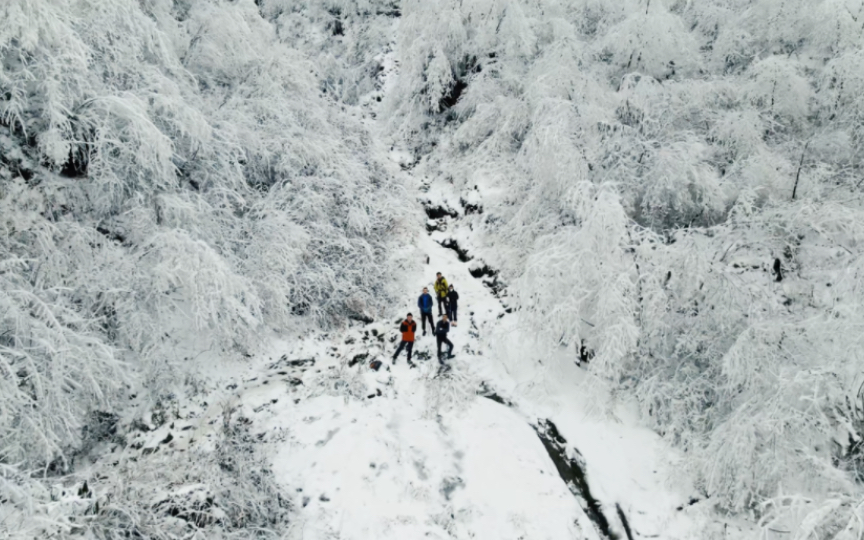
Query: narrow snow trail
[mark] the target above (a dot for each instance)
(627, 465)
(631, 476)
(427, 458)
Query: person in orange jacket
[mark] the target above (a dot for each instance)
(408, 327)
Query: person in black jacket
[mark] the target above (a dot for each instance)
(441, 335)
(452, 304)
(408, 327)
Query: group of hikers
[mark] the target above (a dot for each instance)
(448, 304)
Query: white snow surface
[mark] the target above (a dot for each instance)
(430, 457)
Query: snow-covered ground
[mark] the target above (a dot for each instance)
(407, 453)
(399, 453)
(404, 453)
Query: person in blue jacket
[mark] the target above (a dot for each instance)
(425, 304)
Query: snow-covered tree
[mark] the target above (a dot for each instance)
(170, 172)
(678, 189)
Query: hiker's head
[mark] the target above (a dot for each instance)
(425, 289)
(451, 287)
(443, 317)
(409, 317)
(438, 275)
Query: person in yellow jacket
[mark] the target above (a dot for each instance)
(441, 291)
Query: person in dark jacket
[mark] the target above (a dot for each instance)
(441, 335)
(452, 304)
(425, 304)
(408, 327)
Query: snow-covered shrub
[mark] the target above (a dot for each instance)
(651, 40)
(346, 39)
(224, 491)
(169, 172)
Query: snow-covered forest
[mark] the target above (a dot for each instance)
(662, 197)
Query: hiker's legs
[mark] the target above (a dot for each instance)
(409, 346)
(452, 315)
(449, 345)
(399, 349)
(441, 302)
(439, 339)
(423, 317)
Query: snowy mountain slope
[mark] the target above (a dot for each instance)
(401, 453)
(671, 190)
